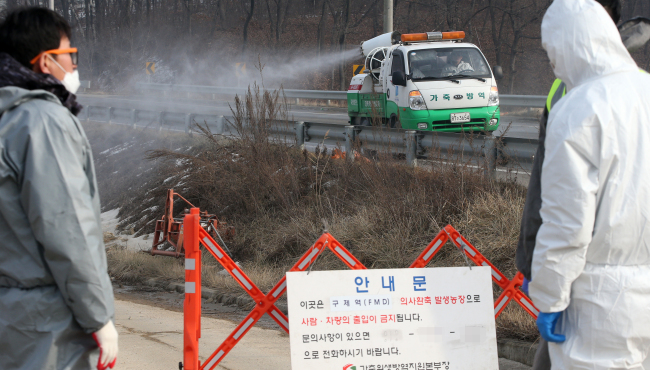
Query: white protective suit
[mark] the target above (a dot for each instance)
(592, 253)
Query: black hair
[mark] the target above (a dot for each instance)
(27, 32)
(615, 6)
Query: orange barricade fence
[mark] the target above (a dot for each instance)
(264, 303)
(194, 234)
(192, 302)
(510, 287)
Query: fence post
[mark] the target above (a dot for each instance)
(110, 114)
(161, 120)
(300, 134)
(220, 125)
(491, 152)
(411, 148)
(134, 117)
(350, 136)
(87, 113)
(192, 302)
(188, 123)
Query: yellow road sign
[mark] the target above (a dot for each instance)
(150, 68)
(357, 68)
(240, 69)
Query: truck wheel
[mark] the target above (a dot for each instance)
(365, 121)
(394, 122)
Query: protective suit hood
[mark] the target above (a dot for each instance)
(583, 42)
(11, 97)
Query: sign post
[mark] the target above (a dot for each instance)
(440, 318)
(240, 71)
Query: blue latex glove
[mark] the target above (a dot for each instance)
(524, 286)
(546, 325)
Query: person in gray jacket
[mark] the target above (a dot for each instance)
(56, 299)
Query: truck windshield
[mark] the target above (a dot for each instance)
(432, 64)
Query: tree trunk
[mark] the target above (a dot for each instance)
(345, 20)
(148, 14)
(278, 21)
(89, 21)
(65, 10)
(127, 15)
(513, 63)
(175, 14)
(99, 17)
(218, 16)
(270, 15)
(188, 17)
(408, 16)
(319, 35)
(496, 34)
(137, 7)
(246, 23)
(283, 26)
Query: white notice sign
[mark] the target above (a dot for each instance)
(426, 319)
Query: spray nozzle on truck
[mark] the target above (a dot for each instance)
(425, 81)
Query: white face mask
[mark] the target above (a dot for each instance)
(70, 80)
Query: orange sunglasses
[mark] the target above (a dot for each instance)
(72, 51)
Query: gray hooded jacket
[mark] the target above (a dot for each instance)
(54, 285)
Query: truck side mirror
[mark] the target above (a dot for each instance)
(498, 72)
(399, 78)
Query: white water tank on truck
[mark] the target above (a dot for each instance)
(386, 40)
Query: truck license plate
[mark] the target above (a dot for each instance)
(460, 117)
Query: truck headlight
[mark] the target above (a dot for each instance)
(423, 126)
(494, 96)
(493, 121)
(416, 101)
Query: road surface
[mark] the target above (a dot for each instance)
(152, 338)
(150, 327)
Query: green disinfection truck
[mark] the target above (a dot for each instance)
(425, 81)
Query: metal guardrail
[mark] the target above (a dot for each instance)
(483, 151)
(527, 101)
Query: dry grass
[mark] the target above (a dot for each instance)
(279, 197)
(133, 267)
(515, 323)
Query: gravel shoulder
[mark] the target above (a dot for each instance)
(151, 335)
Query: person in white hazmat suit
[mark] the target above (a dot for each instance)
(591, 263)
(56, 299)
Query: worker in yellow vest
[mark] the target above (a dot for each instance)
(634, 33)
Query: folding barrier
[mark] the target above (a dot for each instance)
(195, 234)
(510, 287)
(264, 303)
(192, 302)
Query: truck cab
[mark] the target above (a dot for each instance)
(429, 81)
